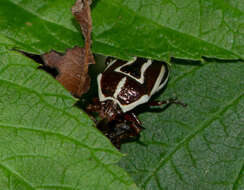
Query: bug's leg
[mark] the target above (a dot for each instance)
(136, 124)
(94, 107)
(167, 102)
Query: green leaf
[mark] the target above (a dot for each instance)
(197, 147)
(39, 26)
(185, 29)
(150, 28)
(46, 142)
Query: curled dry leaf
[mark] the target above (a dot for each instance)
(82, 12)
(71, 69)
(73, 66)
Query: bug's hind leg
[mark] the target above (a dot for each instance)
(135, 123)
(167, 102)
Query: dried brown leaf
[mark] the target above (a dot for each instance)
(71, 69)
(82, 12)
(73, 66)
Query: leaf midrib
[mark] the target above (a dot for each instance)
(171, 29)
(115, 4)
(61, 135)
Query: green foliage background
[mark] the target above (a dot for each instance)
(47, 143)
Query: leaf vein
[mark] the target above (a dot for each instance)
(17, 175)
(168, 28)
(238, 178)
(201, 127)
(21, 127)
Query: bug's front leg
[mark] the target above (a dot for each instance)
(94, 107)
(135, 123)
(167, 102)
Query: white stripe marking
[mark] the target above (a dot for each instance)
(110, 63)
(143, 99)
(119, 87)
(157, 85)
(100, 93)
(124, 108)
(143, 69)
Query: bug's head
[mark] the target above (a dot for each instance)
(110, 110)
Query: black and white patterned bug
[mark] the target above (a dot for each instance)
(126, 84)
(131, 83)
